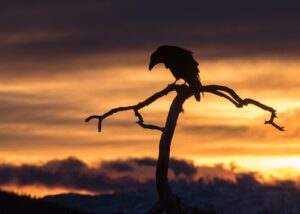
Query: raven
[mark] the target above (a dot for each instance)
(181, 64)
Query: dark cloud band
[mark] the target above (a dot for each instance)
(49, 33)
(116, 175)
(72, 173)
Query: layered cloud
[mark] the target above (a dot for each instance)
(63, 37)
(74, 174)
(118, 175)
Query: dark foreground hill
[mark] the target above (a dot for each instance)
(220, 197)
(11, 203)
(246, 196)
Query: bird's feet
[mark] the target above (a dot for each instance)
(174, 82)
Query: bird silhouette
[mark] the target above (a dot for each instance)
(181, 64)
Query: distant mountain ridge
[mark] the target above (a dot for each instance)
(218, 197)
(245, 196)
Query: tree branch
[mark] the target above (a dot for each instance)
(239, 102)
(142, 124)
(267, 108)
(219, 90)
(135, 109)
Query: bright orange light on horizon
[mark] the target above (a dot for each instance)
(238, 135)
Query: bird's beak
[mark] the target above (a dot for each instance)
(151, 65)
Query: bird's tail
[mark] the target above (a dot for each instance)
(196, 93)
(197, 90)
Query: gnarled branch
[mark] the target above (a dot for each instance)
(239, 102)
(135, 109)
(219, 90)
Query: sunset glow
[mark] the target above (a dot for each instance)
(48, 89)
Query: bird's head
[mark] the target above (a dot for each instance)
(156, 58)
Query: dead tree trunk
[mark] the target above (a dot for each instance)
(167, 200)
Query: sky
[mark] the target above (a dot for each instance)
(61, 62)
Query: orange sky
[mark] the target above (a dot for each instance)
(46, 116)
(57, 70)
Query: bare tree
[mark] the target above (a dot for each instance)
(169, 202)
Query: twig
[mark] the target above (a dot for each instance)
(142, 124)
(267, 108)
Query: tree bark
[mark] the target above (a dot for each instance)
(168, 201)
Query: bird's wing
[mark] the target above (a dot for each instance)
(190, 65)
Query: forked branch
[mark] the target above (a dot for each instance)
(239, 102)
(221, 91)
(135, 109)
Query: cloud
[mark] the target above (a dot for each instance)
(18, 107)
(212, 129)
(289, 118)
(177, 166)
(118, 175)
(218, 130)
(65, 36)
(70, 173)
